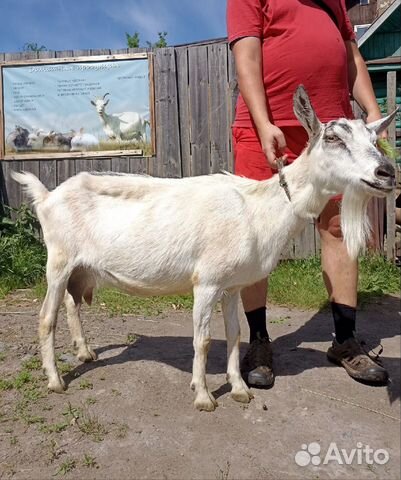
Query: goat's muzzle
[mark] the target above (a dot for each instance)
(385, 177)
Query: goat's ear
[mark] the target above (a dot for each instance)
(380, 125)
(305, 113)
(93, 103)
(105, 103)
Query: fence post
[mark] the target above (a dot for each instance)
(390, 201)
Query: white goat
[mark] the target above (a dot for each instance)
(213, 234)
(120, 126)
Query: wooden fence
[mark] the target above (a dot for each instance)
(195, 96)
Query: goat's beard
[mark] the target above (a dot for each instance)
(355, 223)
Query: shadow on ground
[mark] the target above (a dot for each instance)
(378, 322)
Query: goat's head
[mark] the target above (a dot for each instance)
(344, 159)
(100, 103)
(344, 151)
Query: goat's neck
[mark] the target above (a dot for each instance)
(308, 191)
(278, 219)
(104, 117)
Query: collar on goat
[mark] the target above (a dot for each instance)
(282, 180)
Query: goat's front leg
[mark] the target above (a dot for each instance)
(84, 352)
(204, 300)
(239, 390)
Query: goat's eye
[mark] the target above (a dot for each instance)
(331, 138)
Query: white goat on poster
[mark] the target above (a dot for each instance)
(213, 234)
(120, 126)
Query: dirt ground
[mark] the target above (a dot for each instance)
(129, 415)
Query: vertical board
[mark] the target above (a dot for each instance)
(390, 200)
(304, 244)
(199, 110)
(233, 92)
(120, 164)
(101, 164)
(48, 173)
(139, 165)
(218, 120)
(166, 111)
(181, 55)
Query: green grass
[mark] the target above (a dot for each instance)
(299, 283)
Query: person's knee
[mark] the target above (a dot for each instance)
(330, 228)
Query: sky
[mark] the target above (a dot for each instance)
(92, 24)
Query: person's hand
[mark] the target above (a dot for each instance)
(273, 144)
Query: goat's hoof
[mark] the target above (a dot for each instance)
(87, 355)
(57, 386)
(242, 396)
(206, 403)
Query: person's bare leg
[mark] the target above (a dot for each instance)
(257, 365)
(340, 274)
(255, 296)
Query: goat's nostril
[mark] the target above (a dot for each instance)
(385, 171)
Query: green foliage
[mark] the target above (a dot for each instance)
(161, 43)
(22, 254)
(387, 149)
(33, 47)
(66, 467)
(132, 40)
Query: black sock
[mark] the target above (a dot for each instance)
(344, 321)
(257, 323)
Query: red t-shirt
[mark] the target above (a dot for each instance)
(300, 45)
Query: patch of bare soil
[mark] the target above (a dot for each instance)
(130, 415)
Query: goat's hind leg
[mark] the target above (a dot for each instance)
(56, 284)
(73, 307)
(239, 390)
(204, 300)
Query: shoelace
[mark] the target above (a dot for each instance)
(371, 353)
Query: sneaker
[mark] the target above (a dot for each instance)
(357, 361)
(257, 365)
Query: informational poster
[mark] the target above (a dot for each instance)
(75, 108)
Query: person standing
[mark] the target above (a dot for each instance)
(278, 45)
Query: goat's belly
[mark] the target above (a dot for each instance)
(139, 287)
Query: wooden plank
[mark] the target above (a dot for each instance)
(390, 200)
(2, 132)
(183, 107)
(166, 110)
(46, 58)
(48, 173)
(304, 244)
(101, 164)
(83, 165)
(139, 165)
(120, 165)
(198, 104)
(13, 191)
(218, 120)
(233, 92)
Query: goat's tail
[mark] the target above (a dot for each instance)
(32, 185)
